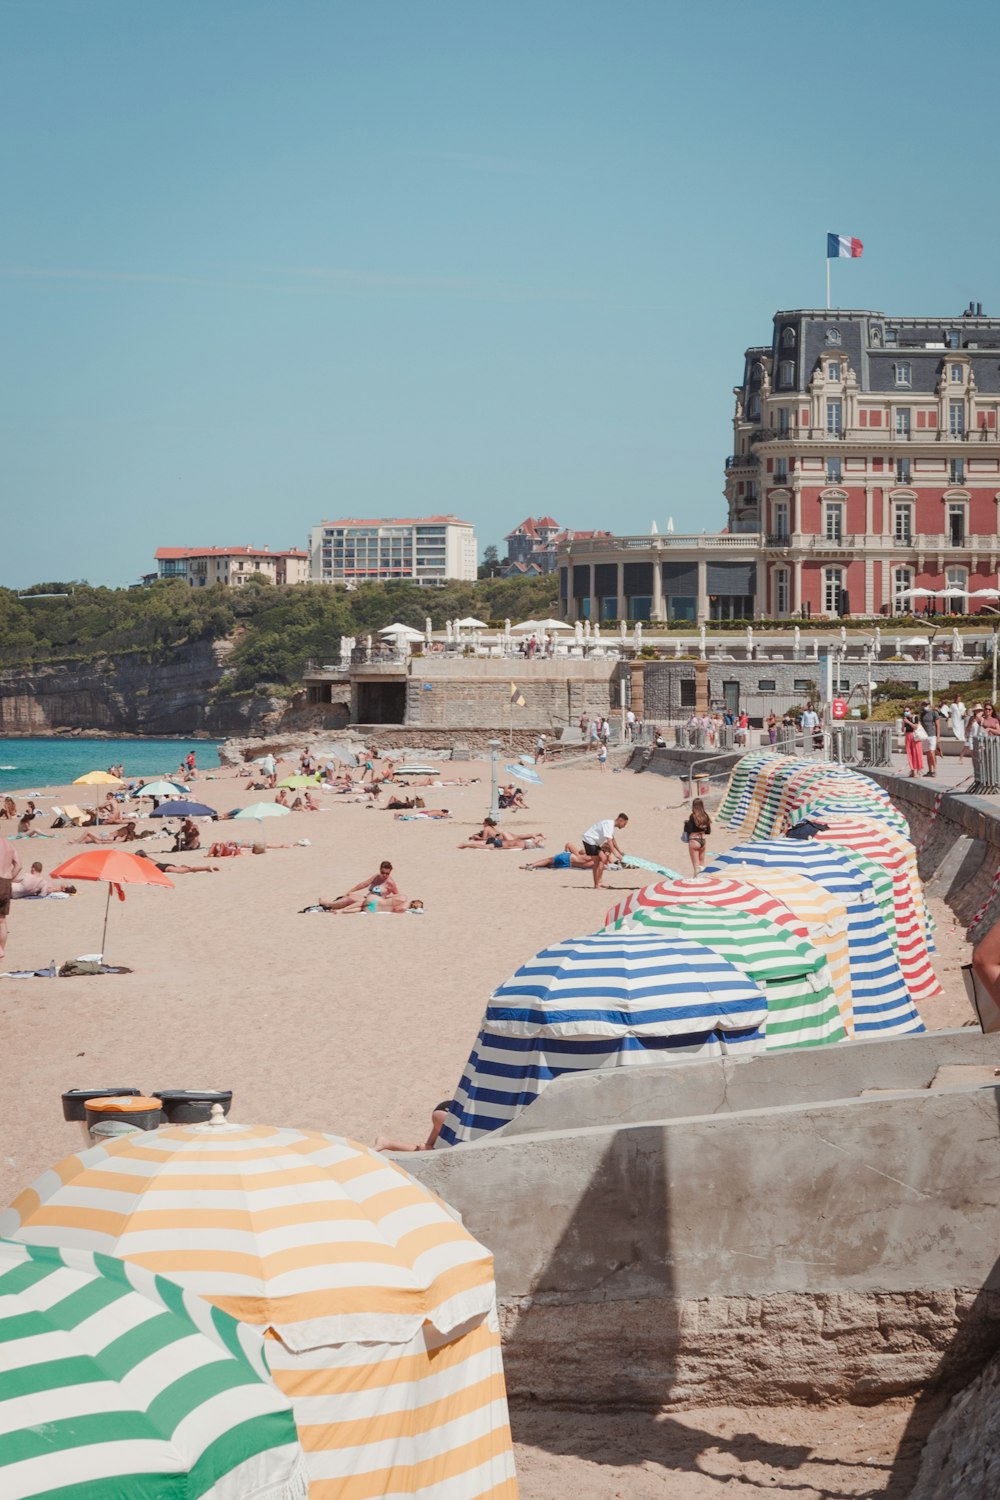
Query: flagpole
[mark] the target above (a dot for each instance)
(828, 283)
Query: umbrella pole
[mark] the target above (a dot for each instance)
(107, 908)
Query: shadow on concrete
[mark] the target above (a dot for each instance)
(974, 1345)
(625, 1331)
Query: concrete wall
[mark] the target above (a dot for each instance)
(627, 1096)
(821, 1251)
(474, 692)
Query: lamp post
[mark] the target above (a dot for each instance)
(495, 746)
(933, 629)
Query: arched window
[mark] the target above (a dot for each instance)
(788, 338)
(786, 374)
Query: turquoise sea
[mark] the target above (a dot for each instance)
(29, 764)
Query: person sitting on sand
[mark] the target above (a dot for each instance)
(8, 808)
(282, 798)
(438, 1116)
(310, 804)
(25, 830)
(492, 837)
(379, 884)
(171, 869)
(403, 804)
(35, 885)
(567, 859)
(124, 835)
(187, 837)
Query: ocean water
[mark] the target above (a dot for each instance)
(29, 764)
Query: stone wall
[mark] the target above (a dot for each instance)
(830, 1250)
(474, 693)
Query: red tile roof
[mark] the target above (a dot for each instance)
(397, 521)
(167, 554)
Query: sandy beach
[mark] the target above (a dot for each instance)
(359, 1025)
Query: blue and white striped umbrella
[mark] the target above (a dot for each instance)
(604, 1001)
(524, 773)
(882, 1003)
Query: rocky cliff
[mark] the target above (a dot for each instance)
(132, 694)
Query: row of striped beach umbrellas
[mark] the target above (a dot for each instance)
(232, 1311)
(783, 943)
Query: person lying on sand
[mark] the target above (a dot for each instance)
(379, 884)
(567, 859)
(511, 797)
(230, 848)
(124, 835)
(438, 1116)
(492, 837)
(392, 905)
(170, 869)
(35, 884)
(424, 812)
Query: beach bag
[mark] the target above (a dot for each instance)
(685, 837)
(920, 734)
(982, 1003)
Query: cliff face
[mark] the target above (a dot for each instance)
(128, 695)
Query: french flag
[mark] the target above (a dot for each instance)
(842, 247)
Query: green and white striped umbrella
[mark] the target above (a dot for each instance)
(802, 1009)
(115, 1384)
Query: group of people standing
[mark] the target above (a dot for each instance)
(922, 729)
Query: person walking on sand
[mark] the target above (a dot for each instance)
(697, 828)
(602, 756)
(930, 721)
(10, 869)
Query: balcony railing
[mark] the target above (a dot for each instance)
(880, 436)
(669, 541)
(742, 461)
(778, 539)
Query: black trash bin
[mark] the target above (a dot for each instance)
(192, 1106)
(124, 1114)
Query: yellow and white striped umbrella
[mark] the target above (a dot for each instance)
(378, 1307)
(823, 914)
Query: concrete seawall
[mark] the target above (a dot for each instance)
(837, 1248)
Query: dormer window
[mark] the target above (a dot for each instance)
(788, 338)
(951, 339)
(786, 374)
(955, 374)
(833, 370)
(903, 372)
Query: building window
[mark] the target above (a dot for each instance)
(783, 421)
(833, 591)
(833, 370)
(956, 471)
(767, 685)
(902, 471)
(902, 583)
(955, 374)
(951, 339)
(903, 372)
(833, 521)
(788, 338)
(956, 418)
(779, 519)
(753, 408)
(903, 525)
(957, 578)
(781, 593)
(834, 417)
(833, 471)
(786, 374)
(688, 686)
(902, 421)
(956, 523)
(781, 471)
(803, 685)
(891, 336)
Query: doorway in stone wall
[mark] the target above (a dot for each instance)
(731, 697)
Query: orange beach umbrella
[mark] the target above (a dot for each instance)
(118, 867)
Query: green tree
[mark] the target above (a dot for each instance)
(490, 565)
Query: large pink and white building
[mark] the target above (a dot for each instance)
(865, 463)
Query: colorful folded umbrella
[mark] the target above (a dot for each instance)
(607, 1000)
(117, 1385)
(802, 1010)
(377, 1306)
(882, 1003)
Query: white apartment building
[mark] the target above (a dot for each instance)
(422, 549)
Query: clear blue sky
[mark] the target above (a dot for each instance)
(266, 263)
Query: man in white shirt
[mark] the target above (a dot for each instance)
(956, 717)
(810, 724)
(600, 844)
(630, 725)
